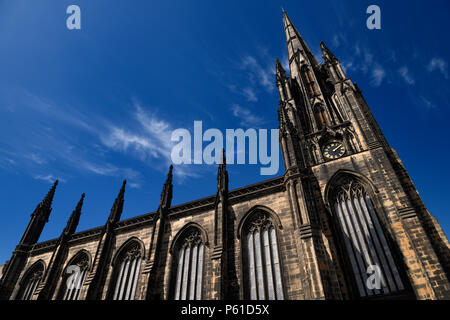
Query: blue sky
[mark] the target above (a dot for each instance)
(97, 105)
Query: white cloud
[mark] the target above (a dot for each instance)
(377, 76)
(249, 94)
(427, 103)
(404, 73)
(134, 185)
(285, 63)
(263, 76)
(438, 64)
(148, 139)
(363, 61)
(336, 42)
(247, 118)
(48, 178)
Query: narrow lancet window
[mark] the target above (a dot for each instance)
(321, 117)
(311, 84)
(31, 282)
(189, 266)
(74, 276)
(262, 269)
(126, 274)
(370, 257)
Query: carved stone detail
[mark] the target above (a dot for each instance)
(192, 238)
(259, 221)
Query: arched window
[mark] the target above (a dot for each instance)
(321, 116)
(31, 281)
(188, 265)
(310, 82)
(126, 271)
(369, 254)
(262, 263)
(74, 276)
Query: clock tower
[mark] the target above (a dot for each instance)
(361, 224)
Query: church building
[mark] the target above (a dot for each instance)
(343, 222)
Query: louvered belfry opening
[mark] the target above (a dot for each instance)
(31, 281)
(127, 270)
(74, 276)
(369, 254)
(262, 262)
(188, 269)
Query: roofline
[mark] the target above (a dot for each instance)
(192, 207)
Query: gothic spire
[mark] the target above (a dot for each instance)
(280, 73)
(116, 210)
(43, 209)
(222, 175)
(296, 44)
(326, 53)
(72, 223)
(166, 194)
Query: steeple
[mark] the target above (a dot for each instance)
(18, 260)
(332, 64)
(222, 176)
(55, 265)
(43, 209)
(117, 208)
(155, 255)
(280, 73)
(166, 194)
(327, 55)
(72, 223)
(220, 249)
(296, 45)
(39, 218)
(102, 258)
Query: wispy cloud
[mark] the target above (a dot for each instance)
(285, 62)
(249, 94)
(377, 76)
(48, 178)
(338, 40)
(427, 103)
(258, 73)
(62, 141)
(440, 65)
(361, 60)
(148, 138)
(248, 119)
(404, 73)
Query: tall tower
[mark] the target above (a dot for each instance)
(363, 229)
(39, 218)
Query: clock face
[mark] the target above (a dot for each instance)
(333, 150)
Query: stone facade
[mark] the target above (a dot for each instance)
(329, 138)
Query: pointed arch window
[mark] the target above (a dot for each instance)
(261, 258)
(74, 276)
(31, 281)
(188, 266)
(321, 116)
(126, 272)
(311, 84)
(369, 254)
